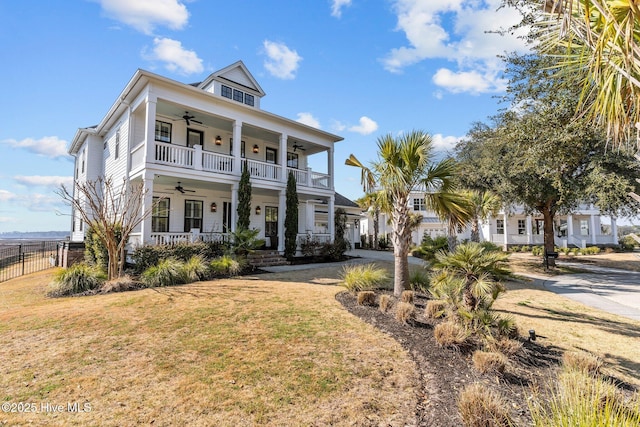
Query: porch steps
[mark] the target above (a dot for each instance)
(266, 258)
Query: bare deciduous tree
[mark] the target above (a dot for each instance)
(112, 211)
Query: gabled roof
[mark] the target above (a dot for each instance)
(237, 73)
(340, 200)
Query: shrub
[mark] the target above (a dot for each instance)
(310, 246)
(450, 334)
(334, 251)
(196, 268)
(225, 265)
(366, 298)
(508, 347)
(385, 302)
(587, 363)
(78, 278)
(429, 247)
(405, 312)
(407, 296)
(419, 280)
(490, 246)
(147, 256)
(576, 399)
(363, 277)
(120, 284)
(435, 309)
(481, 406)
(489, 362)
(168, 272)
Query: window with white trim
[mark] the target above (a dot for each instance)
(522, 226)
(160, 215)
(163, 131)
(500, 226)
(117, 150)
(419, 204)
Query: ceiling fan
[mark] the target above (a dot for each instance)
(189, 118)
(183, 190)
(297, 146)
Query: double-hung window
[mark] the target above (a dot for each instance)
(292, 160)
(500, 226)
(192, 215)
(163, 131)
(160, 215)
(419, 204)
(522, 226)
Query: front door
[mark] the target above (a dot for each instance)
(271, 226)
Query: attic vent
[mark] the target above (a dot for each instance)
(237, 95)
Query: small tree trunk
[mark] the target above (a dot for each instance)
(475, 230)
(549, 240)
(376, 227)
(401, 271)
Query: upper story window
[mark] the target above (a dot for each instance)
(117, 151)
(83, 156)
(500, 226)
(226, 91)
(292, 160)
(419, 205)
(237, 95)
(163, 131)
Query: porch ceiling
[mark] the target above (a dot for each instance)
(167, 184)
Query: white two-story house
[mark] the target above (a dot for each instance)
(187, 143)
(580, 229)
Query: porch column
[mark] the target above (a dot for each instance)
(330, 167)
(282, 209)
(569, 228)
(332, 214)
(505, 218)
(147, 202)
(237, 158)
(310, 215)
(614, 230)
(529, 230)
(150, 128)
(592, 229)
(234, 205)
(283, 160)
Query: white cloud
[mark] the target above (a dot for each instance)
(459, 31)
(337, 6)
(473, 81)
(6, 196)
(48, 146)
(338, 126)
(309, 120)
(366, 126)
(43, 203)
(175, 57)
(44, 181)
(281, 61)
(444, 143)
(145, 15)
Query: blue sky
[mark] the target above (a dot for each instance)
(357, 68)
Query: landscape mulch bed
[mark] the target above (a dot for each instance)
(445, 372)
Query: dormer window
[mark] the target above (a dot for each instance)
(237, 95)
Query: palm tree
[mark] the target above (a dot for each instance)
(404, 164)
(484, 204)
(456, 209)
(599, 39)
(476, 269)
(371, 203)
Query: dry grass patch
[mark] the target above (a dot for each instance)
(589, 364)
(384, 302)
(489, 362)
(405, 312)
(481, 406)
(435, 309)
(246, 351)
(407, 296)
(366, 298)
(450, 334)
(508, 347)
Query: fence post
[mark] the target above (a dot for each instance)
(21, 255)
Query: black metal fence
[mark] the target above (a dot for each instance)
(25, 258)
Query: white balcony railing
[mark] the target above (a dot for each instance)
(213, 162)
(264, 170)
(175, 155)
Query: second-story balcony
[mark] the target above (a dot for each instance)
(215, 163)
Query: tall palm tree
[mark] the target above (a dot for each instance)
(404, 164)
(600, 39)
(484, 204)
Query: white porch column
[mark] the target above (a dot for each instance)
(330, 167)
(309, 217)
(282, 211)
(150, 128)
(505, 218)
(237, 158)
(234, 205)
(529, 230)
(147, 202)
(332, 214)
(592, 229)
(283, 160)
(614, 230)
(569, 228)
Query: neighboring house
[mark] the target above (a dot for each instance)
(187, 143)
(580, 229)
